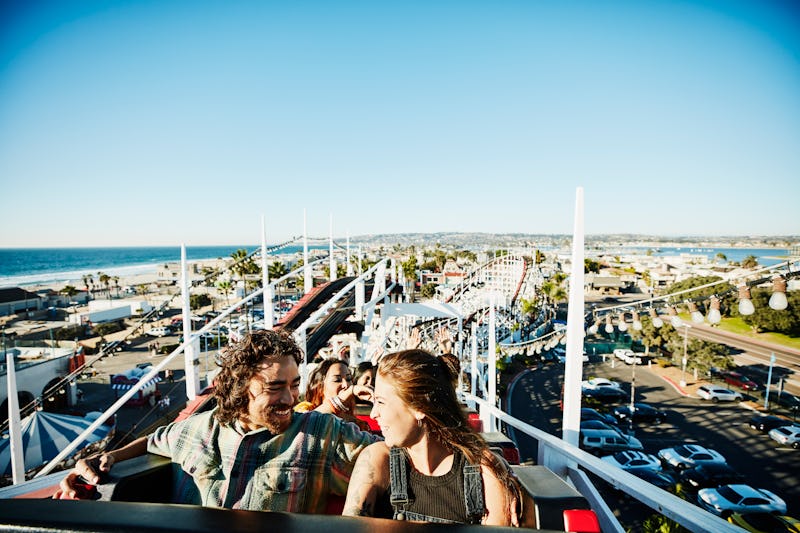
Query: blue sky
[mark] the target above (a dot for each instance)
(168, 122)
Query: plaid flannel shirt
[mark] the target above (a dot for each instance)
(224, 466)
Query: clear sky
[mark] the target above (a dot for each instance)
(168, 122)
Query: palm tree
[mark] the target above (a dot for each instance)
(69, 291)
(115, 279)
(225, 288)
(104, 280)
(244, 265)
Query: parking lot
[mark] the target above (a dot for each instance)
(722, 426)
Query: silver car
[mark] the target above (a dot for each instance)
(689, 455)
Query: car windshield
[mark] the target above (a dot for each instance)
(729, 494)
(683, 451)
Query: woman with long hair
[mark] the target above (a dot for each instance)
(432, 466)
(331, 390)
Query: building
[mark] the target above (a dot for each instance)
(16, 299)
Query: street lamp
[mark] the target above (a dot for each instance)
(684, 361)
(769, 381)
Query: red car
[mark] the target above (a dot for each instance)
(740, 380)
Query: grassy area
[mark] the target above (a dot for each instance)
(737, 325)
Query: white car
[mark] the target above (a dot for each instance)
(689, 455)
(634, 358)
(717, 394)
(786, 435)
(160, 331)
(633, 460)
(622, 353)
(596, 383)
(729, 499)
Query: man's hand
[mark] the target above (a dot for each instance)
(86, 472)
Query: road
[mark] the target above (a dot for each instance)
(755, 355)
(723, 427)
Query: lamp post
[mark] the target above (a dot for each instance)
(684, 360)
(769, 381)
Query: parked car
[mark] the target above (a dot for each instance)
(709, 476)
(717, 394)
(658, 478)
(587, 413)
(597, 424)
(634, 358)
(764, 423)
(606, 395)
(784, 399)
(642, 412)
(597, 383)
(603, 442)
(786, 435)
(633, 460)
(740, 380)
(622, 353)
(686, 456)
(728, 499)
(160, 331)
(765, 522)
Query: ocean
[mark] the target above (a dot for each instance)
(765, 256)
(35, 266)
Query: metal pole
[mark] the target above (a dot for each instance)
(190, 353)
(331, 259)
(685, 345)
(14, 426)
(769, 381)
(268, 318)
(308, 280)
(573, 371)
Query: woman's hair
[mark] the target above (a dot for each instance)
(315, 391)
(361, 369)
(424, 382)
(240, 362)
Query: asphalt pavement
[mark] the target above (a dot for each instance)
(723, 427)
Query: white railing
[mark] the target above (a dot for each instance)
(570, 463)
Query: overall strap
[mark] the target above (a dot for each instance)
(398, 482)
(473, 493)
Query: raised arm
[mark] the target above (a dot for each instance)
(370, 480)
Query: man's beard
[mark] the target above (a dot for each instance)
(273, 422)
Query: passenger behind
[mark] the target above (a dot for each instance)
(432, 465)
(330, 390)
(364, 375)
(252, 451)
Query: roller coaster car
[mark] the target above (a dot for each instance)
(137, 496)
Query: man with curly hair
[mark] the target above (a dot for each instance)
(252, 451)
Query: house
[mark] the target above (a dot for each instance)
(15, 299)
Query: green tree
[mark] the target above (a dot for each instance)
(540, 257)
(409, 267)
(277, 270)
(750, 262)
(658, 523)
(428, 290)
(225, 288)
(115, 279)
(722, 257)
(196, 301)
(767, 319)
(590, 265)
(69, 291)
(104, 280)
